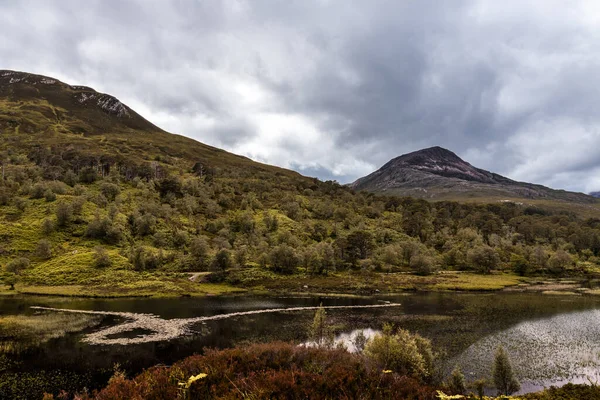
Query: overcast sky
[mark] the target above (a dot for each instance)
(335, 89)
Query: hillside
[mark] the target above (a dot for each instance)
(436, 173)
(72, 123)
(97, 201)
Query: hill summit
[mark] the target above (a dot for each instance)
(438, 173)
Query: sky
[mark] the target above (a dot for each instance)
(333, 88)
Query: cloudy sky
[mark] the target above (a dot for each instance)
(335, 89)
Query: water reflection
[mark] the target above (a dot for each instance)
(550, 351)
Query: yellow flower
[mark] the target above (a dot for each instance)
(194, 378)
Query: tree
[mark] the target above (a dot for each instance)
(222, 261)
(483, 258)
(9, 279)
(457, 382)
(284, 259)
(504, 377)
(43, 249)
(319, 332)
(17, 265)
(110, 190)
(520, 264)
(101, 258)
(559, 262)
(64, 214)
(199, 252)
(358, 245)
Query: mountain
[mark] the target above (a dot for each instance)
(595, 194)
(82, 127)
(437, 173)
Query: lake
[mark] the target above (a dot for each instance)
(551, 339)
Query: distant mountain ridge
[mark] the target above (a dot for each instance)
(438, 173)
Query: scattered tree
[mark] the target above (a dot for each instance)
(504, 377)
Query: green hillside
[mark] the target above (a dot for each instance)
(95, 200)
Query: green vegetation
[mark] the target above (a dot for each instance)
(115, 206)
(504, 377)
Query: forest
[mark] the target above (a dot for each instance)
(104, 214)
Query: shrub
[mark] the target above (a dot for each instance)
(457, 382)
(222, 261)
(47, 226)
(284, 259)
(423, 265)
(483, 258)
(101, 258)
(104, 229)
(199, 251)
(88, 175)
(37, 191)
(43, 249)
(49, 195)
(110, 190)
(319, 332)
(180, 239)
(64, 214)
(402, 352)
(17, 265)
(144, 259)
(273, 370)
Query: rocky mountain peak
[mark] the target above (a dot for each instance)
(438, 173)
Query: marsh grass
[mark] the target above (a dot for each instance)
(19, 332)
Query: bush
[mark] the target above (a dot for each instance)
(110, 190)
(483, 258)
(144, 259)
(37, 191)
(88, 175)
(402, 352)
(423, 265)
(104, 229)
(284, 259)
(49, 196)
(101, 258)
(43, 249)
(199, 252)
(47, 226)
(272, 371)
(64, 214)
(457, 382)
(222, 261)
(17, 265)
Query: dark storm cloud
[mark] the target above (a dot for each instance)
(334, 88)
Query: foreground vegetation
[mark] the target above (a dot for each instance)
(393, 366)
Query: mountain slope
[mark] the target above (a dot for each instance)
(437, 173)
(82, 127)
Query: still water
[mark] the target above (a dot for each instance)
(551, 339)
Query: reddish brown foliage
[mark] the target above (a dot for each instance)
(275, 371)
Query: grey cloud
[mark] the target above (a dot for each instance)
(335, 89)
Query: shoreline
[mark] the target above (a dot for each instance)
(335, 286)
